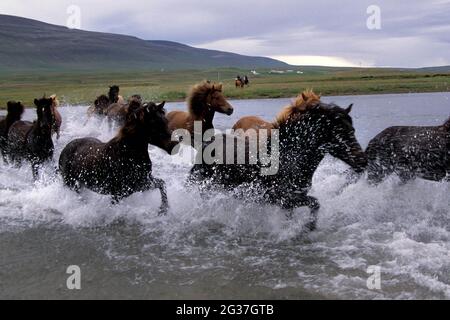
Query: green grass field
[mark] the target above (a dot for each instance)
(83, 88)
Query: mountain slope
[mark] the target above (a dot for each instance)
(28, 44)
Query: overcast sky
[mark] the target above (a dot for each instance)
(414, 33)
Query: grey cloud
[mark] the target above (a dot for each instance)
(414, 33)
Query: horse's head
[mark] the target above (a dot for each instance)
(150, 119)
(44, 113)
(217, 101)
(342, 142)
(207, 96)
(101, 104)
(114, 94)
(15, 109)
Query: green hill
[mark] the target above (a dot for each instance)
(32, 45)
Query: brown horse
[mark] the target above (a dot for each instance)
(57, 118)
(204, 100)
(255, 124)
(117, 112)
(15, 112)
(99, 107)
(33, 141)
(239, 83)
(121, 166)
(103, 102)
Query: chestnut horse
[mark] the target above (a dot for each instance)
(305, 137)
(33, 141)
(410, 152)
(15, 112)
(57, 118)
(204, 100)
(121, 166)
(117, 112)
(241, 127)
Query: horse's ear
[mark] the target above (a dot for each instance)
(349, 109)
(36, 102)
(213, 88)
(304, 97)
(161, 106)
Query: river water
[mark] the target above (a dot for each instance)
(223, 248)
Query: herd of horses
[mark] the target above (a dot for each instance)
(308, 129)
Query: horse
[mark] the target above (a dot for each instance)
(246, 81)
(239, 83)
(251, 124)
(57, 118)
(114, 96)
(410, 152)
(103, 102)
(117, 113)
(121, 166)
(32, 141)
(305, 138)
(15, 112)
(204, 100)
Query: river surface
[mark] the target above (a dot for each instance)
(223, 248)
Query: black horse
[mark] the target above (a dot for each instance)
(15, 112)
(121, 166)
(305, 138)
(410, 152)
(32, 141)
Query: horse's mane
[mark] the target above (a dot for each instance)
(55, 101)
(199, 94)
(301, 104)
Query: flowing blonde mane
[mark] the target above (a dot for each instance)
(55, 101)
(198, 97)
(301, 104)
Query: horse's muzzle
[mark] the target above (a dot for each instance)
(229, 112)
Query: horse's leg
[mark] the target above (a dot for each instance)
(302, 200)
(314, 205)
(161, 185)
(35, 170)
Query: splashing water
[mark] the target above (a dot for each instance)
(221, 247)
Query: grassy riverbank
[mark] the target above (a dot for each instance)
(82, 87)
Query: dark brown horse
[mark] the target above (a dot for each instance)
(121, 166)
(204, 100)
(117, 112)
(15, 112)
(32, 141)
(410, 152)
(100, 106)
(103, 102)
(57, 118)
(305, 138)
